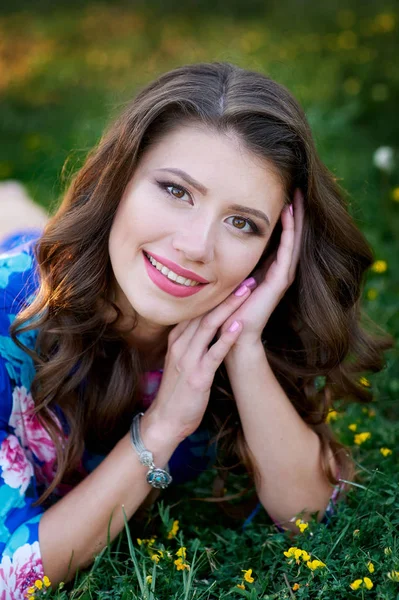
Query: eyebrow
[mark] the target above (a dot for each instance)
(201, 188)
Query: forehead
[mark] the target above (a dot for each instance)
(219, 161)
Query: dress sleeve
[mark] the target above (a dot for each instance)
(20, 558)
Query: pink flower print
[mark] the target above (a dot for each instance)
(17, 470)
(149, 386)
(28, 428)
(20, 572)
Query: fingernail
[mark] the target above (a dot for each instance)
(241, 290)
(250, 282)
(291, 209)
(234, 326)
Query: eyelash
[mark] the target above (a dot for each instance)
(164, 185)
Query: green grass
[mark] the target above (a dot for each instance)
(65, 69)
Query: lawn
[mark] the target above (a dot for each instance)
(66, 68)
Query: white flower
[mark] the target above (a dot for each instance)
(383, 159)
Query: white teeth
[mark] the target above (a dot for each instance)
(170, 274)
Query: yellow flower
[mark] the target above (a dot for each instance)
(395, 194)
(241, 586)
(155, 558)
(180, 565)
(379, 266)
(290, 552)
(301, 525)
(331, 416)
(393, 576)
(315, 564)
(139, 541)
(248, 575)
(372, 294)
(362, 437)
(365, 382)
(39, 584)
(31, 590)
(182, 552)
(368, 583)
(370, 567)
(305, 555)
(385, 451)
(387, 551)
(355, 585)
(149, 579)
(46, 581)
(352, 426)
(296, 587)
(174, 530)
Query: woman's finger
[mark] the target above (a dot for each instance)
(299, 218)
(200, 332)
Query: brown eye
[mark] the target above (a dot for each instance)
(239, 223)
(177, 192)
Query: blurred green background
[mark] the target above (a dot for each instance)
(67, 68)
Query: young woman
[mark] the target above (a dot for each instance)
(200, 275)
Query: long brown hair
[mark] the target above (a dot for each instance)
(84, 365)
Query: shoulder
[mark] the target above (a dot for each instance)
(18, 271)
(18, 283)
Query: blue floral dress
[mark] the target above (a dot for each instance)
(27, 453)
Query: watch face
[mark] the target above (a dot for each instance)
(159, 478)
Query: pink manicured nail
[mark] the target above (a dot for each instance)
(234, 326)
(241, 290)
(250, 282)
(291, 209)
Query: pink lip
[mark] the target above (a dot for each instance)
(178, 270)
(167, 285)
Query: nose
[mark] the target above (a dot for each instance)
(196, 241)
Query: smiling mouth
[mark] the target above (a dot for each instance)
(179, 280)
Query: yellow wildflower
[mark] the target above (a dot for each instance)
(290, 552)
(46, 581)
(155, 558)
(379, 266)
(182, 552)
(368, 583)
(355, 585)
(248, 575)
(315, 564)
(370, 567)
(395, 194)
(296, 587)
(394, 576)
(372, 294)
(352, 426)
(365, 382)
(301, 525)
(385, 451)
(305, 555)
(331, 416)
(180, 565)
(362, 437)
(31, 590)
(241, 586)
(149, 579)
(174, 530)
(387, 551)
(38, 584)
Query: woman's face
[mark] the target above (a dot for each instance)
(202, 201)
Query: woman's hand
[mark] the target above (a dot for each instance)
(272, 280)
(190, 367)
